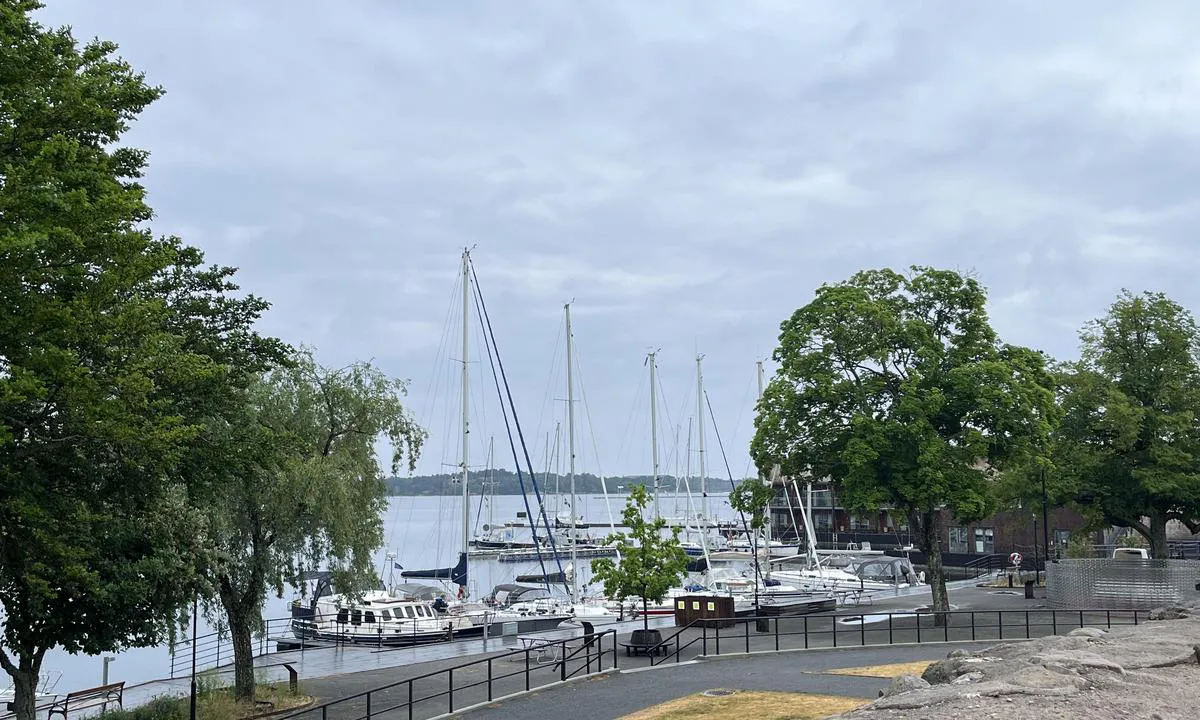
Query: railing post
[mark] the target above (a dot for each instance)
(1080, 618)
(562, 663)
(704, 633)
(489, 664)
(946, 628)
(410, 700)
(717, 635)
(1135, 618)
(747, 626)
(526, 669)
(368, 705)
(1000, 623)
(834, 619)
(891, 640)
(805, 632)
(1026, 624)
(776, 634)
(972, 624)
(450, 691)
(862, 630)
(1108, 619)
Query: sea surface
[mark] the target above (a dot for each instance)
(422, 532)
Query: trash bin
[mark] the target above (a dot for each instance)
(1028, 589)
(762, 625)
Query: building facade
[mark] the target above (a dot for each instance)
(835, 527)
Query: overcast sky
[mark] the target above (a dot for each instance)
(687, 172)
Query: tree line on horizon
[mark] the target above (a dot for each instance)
(506, 482)
(157, 450)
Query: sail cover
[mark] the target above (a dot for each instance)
(456, 574)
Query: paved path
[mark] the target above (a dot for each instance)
(623, 693)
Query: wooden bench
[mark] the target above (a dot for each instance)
(92, 697)
(642, 648)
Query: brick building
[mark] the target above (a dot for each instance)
(962, 543)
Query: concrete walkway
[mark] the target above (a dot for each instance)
(623, 693)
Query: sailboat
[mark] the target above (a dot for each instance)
(409, 613)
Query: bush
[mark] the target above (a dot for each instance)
(160, 708)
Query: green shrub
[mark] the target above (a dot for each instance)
(160, 708)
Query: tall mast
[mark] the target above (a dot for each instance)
(767, 534)
(466, 399)
(700, 439)
(571, 452)
(653, 363)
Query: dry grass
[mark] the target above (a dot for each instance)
(884, 671)
(750, 704)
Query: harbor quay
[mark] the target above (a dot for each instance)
(777, 653)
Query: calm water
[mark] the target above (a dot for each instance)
(423, 532)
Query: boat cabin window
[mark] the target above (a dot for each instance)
(343, 616)
(408, 611)
(385, 615)
(356, 617)
(422, 611)
(369, 618)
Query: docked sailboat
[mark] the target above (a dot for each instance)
(407, 613)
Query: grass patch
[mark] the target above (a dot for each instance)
(750, 704)
(884, 671)
(214, 701)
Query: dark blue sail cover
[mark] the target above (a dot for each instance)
(456, 574)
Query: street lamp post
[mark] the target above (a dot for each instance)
(1045, 516)
(195, 614)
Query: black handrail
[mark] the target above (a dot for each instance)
(212, 648)
(1028, 620)
(595, 640)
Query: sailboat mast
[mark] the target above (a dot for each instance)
(653, 362)
(700, 440)
(571, 452)
(767, 533)
(466, 400)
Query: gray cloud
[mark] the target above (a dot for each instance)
(687, 172)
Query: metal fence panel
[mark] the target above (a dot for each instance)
(1122, 583)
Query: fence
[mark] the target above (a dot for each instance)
(215, 648)
(541, 663)
(821, 631)
(1122, 583)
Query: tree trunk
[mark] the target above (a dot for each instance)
(1158, 536)
(930, 545)
(645, 614)
(25, 680)
(243, 656)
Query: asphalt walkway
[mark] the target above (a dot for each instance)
(623, 693)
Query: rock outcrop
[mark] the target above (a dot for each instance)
(1090, 673)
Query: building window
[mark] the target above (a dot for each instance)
(1061, 538)
(822, 521)
(958, 540)
(985, 541)
(860, 522)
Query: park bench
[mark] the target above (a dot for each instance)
(99, 696)
(648, 642)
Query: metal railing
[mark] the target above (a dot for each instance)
(215, 648)
(866, 629)
(543, 662)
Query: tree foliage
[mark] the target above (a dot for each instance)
(293, 484)
(752, 496)
(115, 346)
(897, 388)
(1128, 450)
(651, 561)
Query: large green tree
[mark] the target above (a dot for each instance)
(115, 348)
(896, 387)
(293, 484)
(651, 561)
(1128, 450)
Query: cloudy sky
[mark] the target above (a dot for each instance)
(686, 171)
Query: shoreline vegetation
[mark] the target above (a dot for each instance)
(505, 482)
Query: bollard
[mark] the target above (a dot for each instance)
(293, 679)
(1028, 589)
